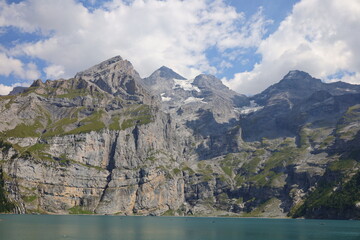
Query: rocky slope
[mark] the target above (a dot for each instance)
(109, 142)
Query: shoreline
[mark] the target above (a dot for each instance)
(212, 217)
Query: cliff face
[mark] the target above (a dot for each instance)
(95, 143)
(109, 142)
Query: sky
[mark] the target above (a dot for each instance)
(248, 44)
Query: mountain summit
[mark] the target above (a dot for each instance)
(165, 72)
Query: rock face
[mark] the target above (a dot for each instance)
(109, 142)
(17, 90)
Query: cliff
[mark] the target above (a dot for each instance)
(109, 142)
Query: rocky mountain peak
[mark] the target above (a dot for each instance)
(37, 83)
(115, 64)
(299, 79)
(297, 74)
(295, 85)
(115, 76)
(208, 81)
(17, 90)
(165, 72)
(162, 80)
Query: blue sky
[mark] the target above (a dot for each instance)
(248, 44)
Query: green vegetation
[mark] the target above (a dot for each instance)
(227, 170)
(6, 97)
(90, 166)
(22, 130)
(57, 128)
(206, 171)
(281, 158)
(137, 116)
(252, 165)
(304, 141)
(176, 171)
(29, 199)
(257, 212)
(332, 200)
(36, 211)
(64, 160)
(11, 101)
(38, 151)
(222, 198)
(327, 141)
(91, 123)
(231, 161)
(342, 164)
(169, 212)
(133, 115)
(5, 146)
(268, 173)
(151, 158)
(114, 125)
(239, 179)
(265, 178)
(187, 169)
(352, 115)
(5, 205)
(79, 210)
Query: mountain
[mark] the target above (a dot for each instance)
(17, 90)
(109, 142)
(298, 99)
(204, 109)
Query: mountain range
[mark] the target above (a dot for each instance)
(110, 142)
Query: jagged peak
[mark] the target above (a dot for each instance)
(37, 83)
(166, 72)
(117, 61)
(207, 76)
(297, 74)
(112, 60)
(17, 90)
(297, 78)
(208, 80)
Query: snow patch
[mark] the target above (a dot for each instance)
(193, 99)
(249, 109)
(292, 73)
(186, 85)
(165, 99)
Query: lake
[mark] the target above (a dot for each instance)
(50, 227)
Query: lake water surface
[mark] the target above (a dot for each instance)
(49, 227)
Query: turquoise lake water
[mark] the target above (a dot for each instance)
(38, 227)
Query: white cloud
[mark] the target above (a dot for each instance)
(54, 71)
(150, 33)
(320, 37)
(14, 66)
(5, 90)
(9, 65)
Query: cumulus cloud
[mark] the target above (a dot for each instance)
(9, 65)
(149, 33)
(14, 66)
(54, 71)
(320, 37)
(5, 90)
